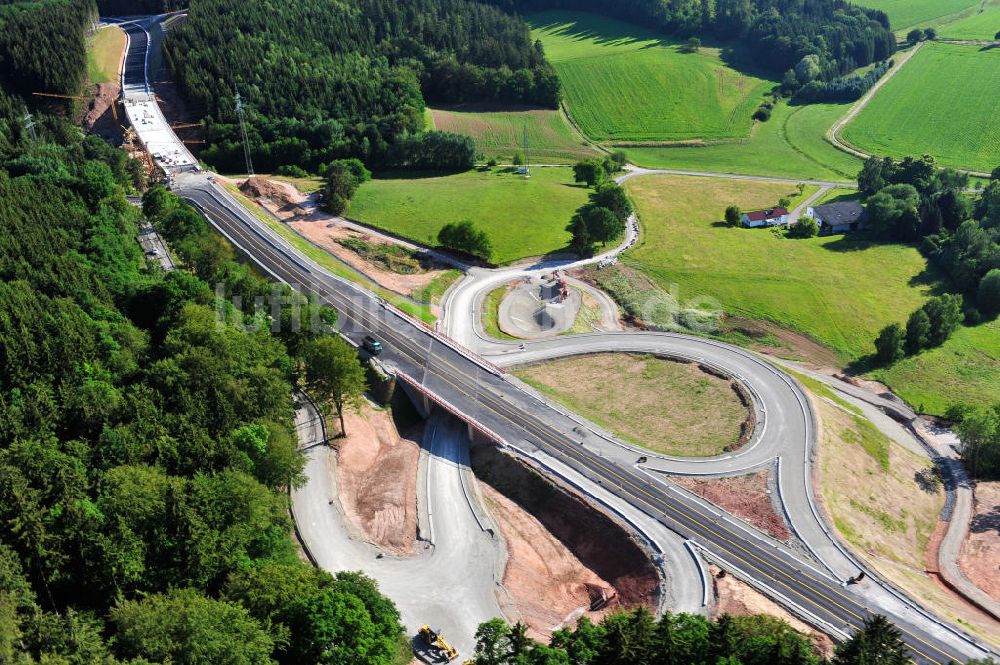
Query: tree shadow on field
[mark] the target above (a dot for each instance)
(930, 282)
(601, 30)
(851, 242)
(988, 522)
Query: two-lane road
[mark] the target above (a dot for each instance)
(477, 391)
(522, 421)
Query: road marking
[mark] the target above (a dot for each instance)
(522, 422)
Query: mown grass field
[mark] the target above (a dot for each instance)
(523, 217)
(625, 393)
(905, 14)
(104, 54)
(944, 103)
(499, 133)
(789, 145)
(838, 291)
(982, 21)
(624, 83)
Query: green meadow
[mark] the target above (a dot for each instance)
(980, 22)
(623, 83)
(823, 287)
(789, 145)
(524, 217)
(905, 14)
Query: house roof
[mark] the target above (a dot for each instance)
(842, 212)
(760, 215)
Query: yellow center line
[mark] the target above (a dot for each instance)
(540, 432)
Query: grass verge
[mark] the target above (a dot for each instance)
(627, 393)
(884, 511)
(104, 54)
(491, 313)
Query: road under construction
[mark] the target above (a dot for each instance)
(486, 398)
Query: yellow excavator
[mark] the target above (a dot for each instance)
(437, 642)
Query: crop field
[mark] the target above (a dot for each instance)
(789, 145)
(944, 103)
(104, 54)
(623, 83)
(499, 133)
(523, 217)
(905, 14)
(979, 22)
(825, 287)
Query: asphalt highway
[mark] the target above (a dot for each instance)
(482, 394)
(472, 387)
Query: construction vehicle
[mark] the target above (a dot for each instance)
(437, 643)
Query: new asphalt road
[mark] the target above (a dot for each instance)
(483, 395)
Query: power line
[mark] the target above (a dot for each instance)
(243, 131)
(29, 125)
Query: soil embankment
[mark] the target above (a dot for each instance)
(300, 212)
(980, 559)
(564, 553)
(737, 598)
(549, 586)
(748, 497)
(98, 116)
(377, 478)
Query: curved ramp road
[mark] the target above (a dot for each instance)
(480, 393)
(452, 584)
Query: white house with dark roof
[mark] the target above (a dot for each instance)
(770, 217)
(838, 217)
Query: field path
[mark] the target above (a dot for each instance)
(863, 102)
(797, 213)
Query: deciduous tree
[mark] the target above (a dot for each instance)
(333, 374)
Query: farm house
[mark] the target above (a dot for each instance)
(839, 217)
(771, 217)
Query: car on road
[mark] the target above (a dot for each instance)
(371, 345)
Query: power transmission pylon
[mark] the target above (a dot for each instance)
(243, 131)
(29, 124)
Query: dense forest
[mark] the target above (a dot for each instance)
(327, 80)
(131, 7)
(780, 33)
(636, 638)
(146, 445)
(146, 437)
(42, 44)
